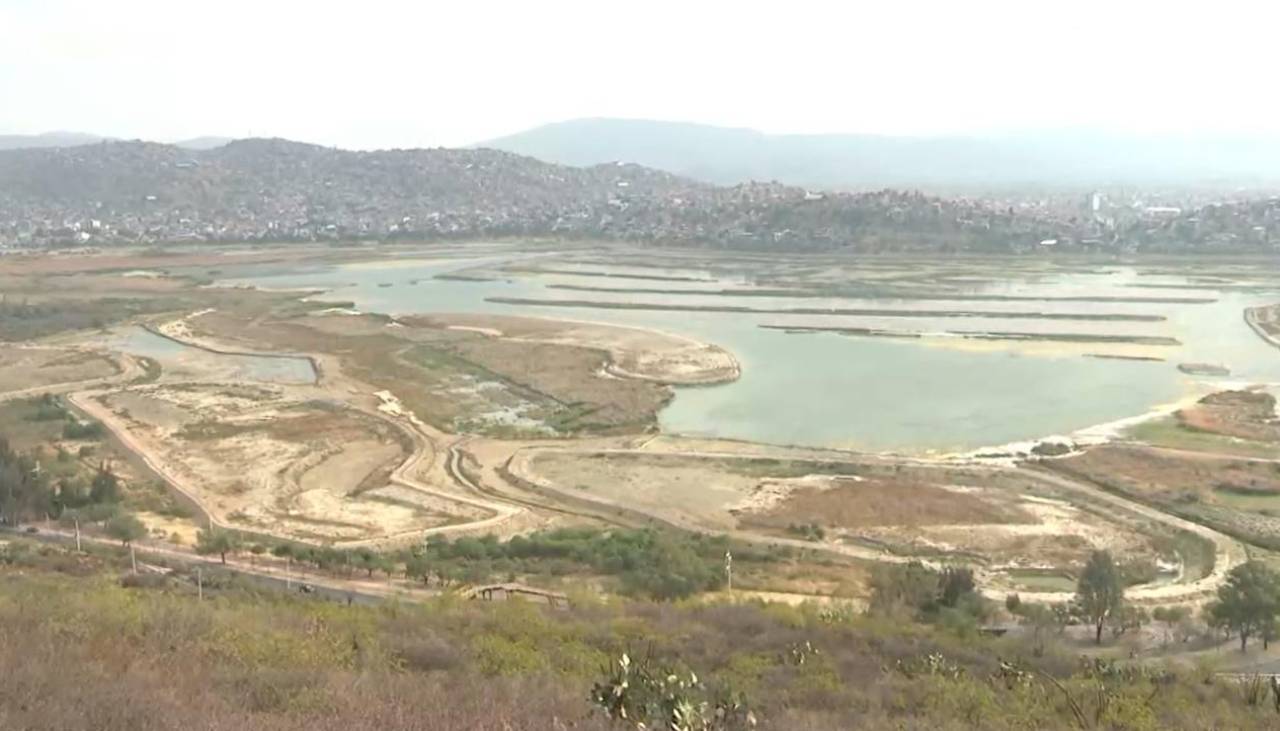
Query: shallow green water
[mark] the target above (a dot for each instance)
(270, 369)
(871, 393)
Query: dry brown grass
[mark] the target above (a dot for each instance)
(1241, 414)
(430, 369)
(1171, 476)
(877, 502)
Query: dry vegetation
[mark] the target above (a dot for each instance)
(1239, 496)
(465, 381)
(987, 516)
(632, 352)
(23, 368)
(1248, 415)
(82, 652)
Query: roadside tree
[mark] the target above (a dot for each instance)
(1248, 603)
(126, 528)
(1099, 592)
(221, 542)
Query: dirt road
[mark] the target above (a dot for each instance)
(1228, 552)
(288, 577)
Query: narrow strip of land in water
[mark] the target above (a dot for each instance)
(864, 294)
(854, 312)
(1049, 337)
(610, 275)
(1265, 321)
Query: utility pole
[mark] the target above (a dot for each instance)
(78, 536)
(288, 564)
(133, 558)
(728, 570)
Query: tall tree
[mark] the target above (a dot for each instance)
(212, 541)
(1099, 592)
(1248, 603)
(126, 528)
(105, 487)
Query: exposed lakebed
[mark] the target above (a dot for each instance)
(815, 369)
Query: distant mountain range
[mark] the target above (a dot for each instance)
(278, 190)
(852, 161)
(76, 139)
(48, 139)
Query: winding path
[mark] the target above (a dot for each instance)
(1228, 552)
(424, 472)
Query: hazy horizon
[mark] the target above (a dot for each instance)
(404, 75)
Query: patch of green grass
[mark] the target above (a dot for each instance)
(1167, 432)
(1043, 579)
(1257, 502)
(23, 422)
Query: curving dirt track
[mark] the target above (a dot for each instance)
(434, 467)
(1228, 552)
(421, 471)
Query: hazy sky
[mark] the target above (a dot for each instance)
(375, 73)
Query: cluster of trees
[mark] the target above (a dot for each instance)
(649, 563)
(28, 493)
(946, 596)
(652, 563)
(1248, 604)
(49, 408)
(949, 597)
(24, 490)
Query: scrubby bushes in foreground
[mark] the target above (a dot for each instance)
(87, 653)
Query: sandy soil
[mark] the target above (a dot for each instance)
(271, 464)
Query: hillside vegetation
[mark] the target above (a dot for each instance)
(84, 650)
(276, 190)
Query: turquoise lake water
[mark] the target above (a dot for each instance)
(877, 394)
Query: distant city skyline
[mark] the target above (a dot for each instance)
(388, 74)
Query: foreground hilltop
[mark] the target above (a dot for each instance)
(277, 190)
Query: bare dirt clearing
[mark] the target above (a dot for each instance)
(259, 459)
